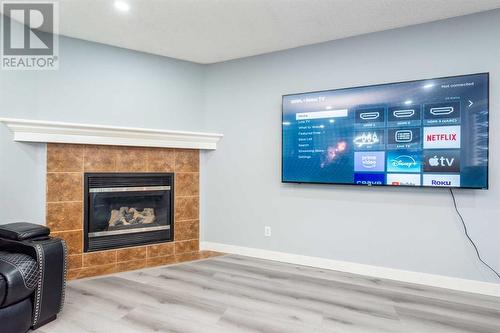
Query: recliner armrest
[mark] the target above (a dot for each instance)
(20, 231)
(51, 257)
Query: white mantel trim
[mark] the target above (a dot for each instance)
(59, 132)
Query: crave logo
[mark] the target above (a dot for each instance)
(29, 35)
(442, 137)
(369, 178)
(442, 161)
(403, 161)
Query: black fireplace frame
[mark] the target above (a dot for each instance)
(86, 206)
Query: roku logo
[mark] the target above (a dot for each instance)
(441, 182)
(441, 137)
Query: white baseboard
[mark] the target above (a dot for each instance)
(440, 281)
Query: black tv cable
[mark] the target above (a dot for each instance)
(468, 237)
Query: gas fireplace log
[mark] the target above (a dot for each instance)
(115, 217)
(148, 215)
(131, 216)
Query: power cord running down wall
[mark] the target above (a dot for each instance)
(467, 234)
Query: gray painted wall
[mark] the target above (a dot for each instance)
(95, 84)
(411, 229)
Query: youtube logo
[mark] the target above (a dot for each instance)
(401, 179)
(441, 137)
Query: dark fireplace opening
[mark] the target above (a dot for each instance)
(127, 209)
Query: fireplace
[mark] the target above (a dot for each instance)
(127, 209)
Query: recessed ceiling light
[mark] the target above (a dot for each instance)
(408, 102)
(122, 6)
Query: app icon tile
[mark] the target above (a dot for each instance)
(441, 137)
(441, 180)
(403, 138)
(442, 113)
(369, 139)
(403, 161)
(369, 161)
(441, 160)
(369, 178)
(403, 179)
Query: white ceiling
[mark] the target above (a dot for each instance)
(208, 31)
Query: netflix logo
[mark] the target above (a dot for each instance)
(441, 137)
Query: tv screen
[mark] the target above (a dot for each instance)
(419, 133)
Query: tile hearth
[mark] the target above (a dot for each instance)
(66, 164)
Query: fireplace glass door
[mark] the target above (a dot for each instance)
(127, 209)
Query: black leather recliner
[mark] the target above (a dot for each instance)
(32, 276)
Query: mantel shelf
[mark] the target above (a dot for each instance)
(58, 132)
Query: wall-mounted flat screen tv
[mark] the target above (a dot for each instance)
(431, 133)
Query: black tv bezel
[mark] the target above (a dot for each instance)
(283, 181)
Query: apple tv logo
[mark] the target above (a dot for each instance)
(442, 161)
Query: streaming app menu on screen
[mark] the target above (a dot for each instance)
(419, 133)
(412, 147)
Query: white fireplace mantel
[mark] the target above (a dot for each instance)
(58, 132)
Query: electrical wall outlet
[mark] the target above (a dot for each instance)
(267, 231)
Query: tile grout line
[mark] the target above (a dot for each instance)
(69, 201)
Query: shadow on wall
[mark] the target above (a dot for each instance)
(378, 194)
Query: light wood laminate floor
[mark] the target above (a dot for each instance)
(240, 294)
